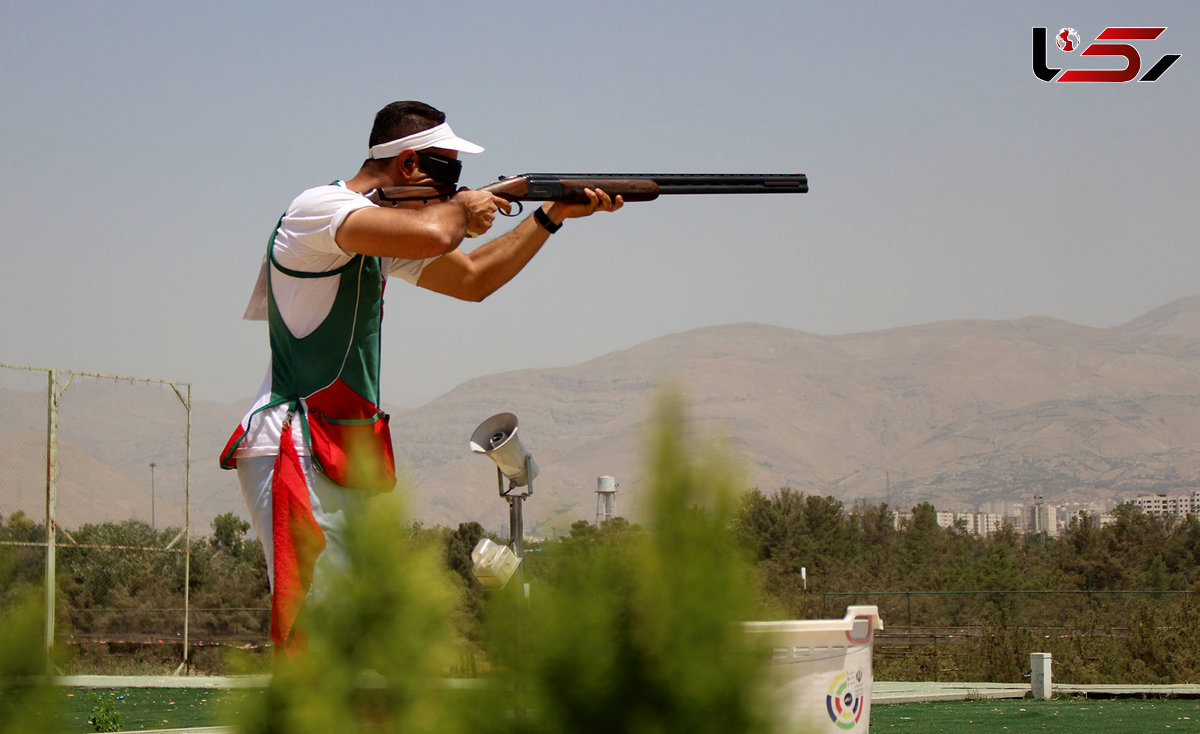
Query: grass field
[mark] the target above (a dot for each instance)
(1071, 715)
(153, 708)
(179, 708)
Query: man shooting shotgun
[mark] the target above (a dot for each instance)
(315, 444)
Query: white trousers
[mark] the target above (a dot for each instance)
(331, 504)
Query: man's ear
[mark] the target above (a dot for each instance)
(406, 164)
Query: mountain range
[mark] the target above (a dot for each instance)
(959, 413)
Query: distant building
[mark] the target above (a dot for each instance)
(1041, 518)
(979, 523)
(1163, 504)
(987, 523)
(1001, 508)
(1095, 514)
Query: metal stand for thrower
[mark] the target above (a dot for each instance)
(516, 521)
(516, 533)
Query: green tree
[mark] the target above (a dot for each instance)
(583, 529)
(923, 548)
(459, 545)
(640, 634)
(874, 545)
(22, 567)
(229, 534)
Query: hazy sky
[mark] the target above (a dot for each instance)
(149, 147)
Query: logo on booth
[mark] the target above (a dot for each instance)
(844, 700)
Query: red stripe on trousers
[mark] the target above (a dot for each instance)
(297, 541)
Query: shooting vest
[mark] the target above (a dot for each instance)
(330, 378)
(330, 381)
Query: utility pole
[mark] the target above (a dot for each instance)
(153, 526)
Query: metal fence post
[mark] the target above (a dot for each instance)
(51, 498)
(187, 523)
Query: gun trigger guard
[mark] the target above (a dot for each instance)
(515, 212)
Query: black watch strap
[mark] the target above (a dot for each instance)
(544, 219)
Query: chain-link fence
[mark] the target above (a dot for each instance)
(1058, 611)
(1095, 635)
(94, 505)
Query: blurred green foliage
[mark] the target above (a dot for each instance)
(26, 696)
(379, 639)
(621, 631)
(632, 630)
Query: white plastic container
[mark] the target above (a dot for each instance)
(493, 563)
(821, 675)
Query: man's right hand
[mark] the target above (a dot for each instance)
(480, 208)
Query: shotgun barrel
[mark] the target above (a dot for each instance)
(694, 183)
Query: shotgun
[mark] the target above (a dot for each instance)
(630, 186)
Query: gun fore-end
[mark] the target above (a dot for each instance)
(571, 189)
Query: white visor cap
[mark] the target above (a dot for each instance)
(438, 136)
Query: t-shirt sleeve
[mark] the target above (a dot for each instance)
(409, 270)
(344, 210)
(306, 239)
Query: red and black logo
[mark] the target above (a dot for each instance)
(1067, 40)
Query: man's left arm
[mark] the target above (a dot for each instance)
(476, 275)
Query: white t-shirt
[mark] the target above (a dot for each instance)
(306, 241)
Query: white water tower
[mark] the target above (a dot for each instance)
(606, 499)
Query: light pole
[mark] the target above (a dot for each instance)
(153, 527)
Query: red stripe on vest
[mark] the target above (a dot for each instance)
(227, 459)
